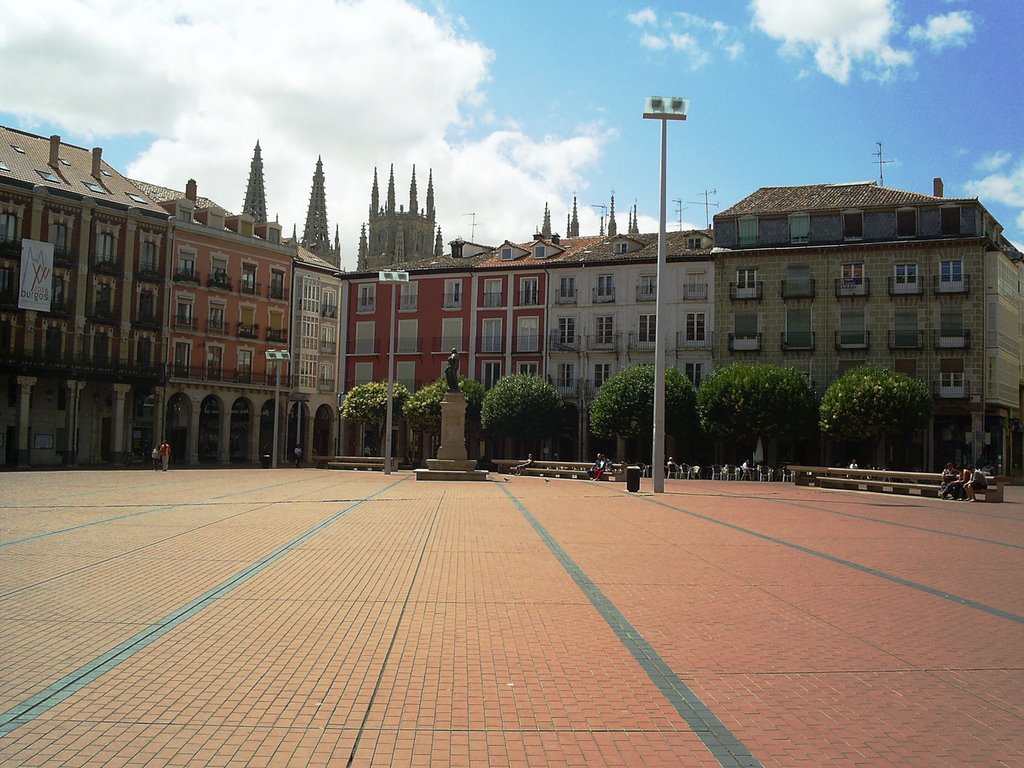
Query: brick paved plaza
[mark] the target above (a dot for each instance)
(307, 617)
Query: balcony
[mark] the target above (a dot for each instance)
(642, 342)
(568, 387)
(797, 289)
(493, 299)
(744, 343)
(407, 346)
(328, 310)
(604, 296)
(945, 284)
(277, 292)
(63, 257)
(646, 293)
(277, 335)
(563, 342)
(328, 347)
(103, 313)
(9, 297)
(565, 296)
(527, 342)
(847, 287)
(10, 249)
(408, 303)
(853, 339)
(447, 343)
(217, 327)
(491, 345)
(184, 323)
(452, 301)
(366, 306)
(906, 339)
(364, 346)
(904, 287)
(149, 273)
(746, 291)
(793, 341)
(104, 265)
(952, 387)
(325, 385)
(219, 280)
(695, 291)
(186, 275)
(147, 321)
(688, 341)
(248, 287)
(529, 297)
(603, 342)
(248, 330)
(951, 340)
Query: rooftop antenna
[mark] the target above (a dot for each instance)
(604, 212)
(881, 164)
(707, 205)
(472, 227)
(679, 211)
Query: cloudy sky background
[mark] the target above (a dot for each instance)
(518, 105)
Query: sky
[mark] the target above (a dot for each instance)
(516, 105)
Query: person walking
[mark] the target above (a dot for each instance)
(165, 454)
(155, 455)
(298, 455)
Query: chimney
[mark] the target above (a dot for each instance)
(190, 190)
(54, 150)
(97, 156)
(937, 186)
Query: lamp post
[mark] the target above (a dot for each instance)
(663, 109)
(278, 356)
(394, 278)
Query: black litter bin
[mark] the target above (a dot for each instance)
(632, 479)
(265, 460)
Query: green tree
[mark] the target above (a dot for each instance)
(422, 409)
(624, 406)
(872, 402)
(522, 406)
(368, 403)
(744, 401)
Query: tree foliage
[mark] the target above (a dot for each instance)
(368, 403)
(522, 405)
(624, 406)
(874, 402)
(744, 401)
(422, 409)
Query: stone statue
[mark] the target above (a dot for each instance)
(451, 372)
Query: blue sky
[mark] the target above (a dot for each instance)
(514, 105)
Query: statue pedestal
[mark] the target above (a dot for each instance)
(451, 462)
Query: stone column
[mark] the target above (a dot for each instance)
(71, 419)
(224, 439)
(453, 427)
(160, 408)
(192, 449)
(25, 384)
(117, 451)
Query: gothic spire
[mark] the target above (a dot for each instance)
(374, 196)
(363, 248)
(545, 230)
(438, 245)
(634, 225)
(255, 193)
(414, 206)
(317, 237)
(574, 228)
(430, 196)
(612, 228)
(390, 206)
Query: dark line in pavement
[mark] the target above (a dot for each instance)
(48, 698)
(998, 612)
(720, 741)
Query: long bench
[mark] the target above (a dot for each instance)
(579, 470)
(888, 481)
(371, 463)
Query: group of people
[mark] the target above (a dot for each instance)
(161, 456)
(962, 483)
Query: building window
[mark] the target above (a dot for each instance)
(799, 228)
(566, 330)
(540, 252)
(183, 314)
(214, 361)
(906, 335)
(366, 343)
(492, 293)
(104, 248)
(408, 299)
(329, 307)
(798, 281)
(951, 274)
(566, 291)
(101, 347)
(408, 336)
(451, 334)
(647, 330)
(248, 283)
(906, 222)
(453, 294)
(147, 306)
(527, 335)
(530, 369)
(216, 321)
(528, 293)
(748, 231)
(621, 248)
(602, 372)
(363, 373)
(492, 372)
(851, 279)
(853, 225)
(695, 327)
(851, 328)
(950, 220)
(647, 288)
(276, 284)
(798, 329)
(58, 235)
(566, 381)
(745, 336)
(746, 284)
(605, 288)
(367, 297)
(491, 340)
(506, 254)
(604, 326)
(905, 279)
(8, 227)
(147, 257)
(692, 371)
(186, 264)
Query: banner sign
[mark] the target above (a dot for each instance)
(36, 284)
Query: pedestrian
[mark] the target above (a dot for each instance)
(978, 482)
(298, 454)
(155, 455)
(949, 476)
(165, 454)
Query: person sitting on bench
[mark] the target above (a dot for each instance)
(978, 482)
(518, 468)
(599, 467)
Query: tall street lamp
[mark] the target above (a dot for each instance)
(394, 278)
(663, 109)
(278, 356)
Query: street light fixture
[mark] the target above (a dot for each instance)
(663, 109)
(278, 356)
(394, 278)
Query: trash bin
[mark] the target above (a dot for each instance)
(632, 479)
(265, 460)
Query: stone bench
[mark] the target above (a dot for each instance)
(370, 463)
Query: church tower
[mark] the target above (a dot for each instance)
(395, 235)
(317, 235)
(255, 193)
(612, 228)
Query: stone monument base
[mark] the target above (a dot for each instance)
(451, 462)
(447, 469)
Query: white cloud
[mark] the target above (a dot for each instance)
(1005, 188)
(206, 80)
(841, 36)
(653, 42)
(691, 35)
(952, 29)
(686, 44)
(640, 18)
(994, 161)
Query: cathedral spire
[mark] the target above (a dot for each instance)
(574, 228)
(634, 225)
(317, 237)
(438, 245)
(414, 206)
(374, 196)
(430, 196)
(363, 248)
(255, 193)
(390, 206)
(545, 230)
(612, 228)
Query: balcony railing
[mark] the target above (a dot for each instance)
(529, 297)
(103, 313)
(10, 249)
(278, 335)
(493, 299)
(568, 387)
(603, 342)
(184, 323)
(325, 385)
(853, 339)
(527, 342)
(693, 341)
(248, 287)
(563, 342)
(409, 303)
(407, 345)
(364, 346)
(744, 343)
(904, 287)
(950, 340)
(62, 257)
(642, 342)
(328, 347)
(219, 280)
(491, 345)
(852, 286)
(277, 292)
(604, 296)
(797, 340)
(366, 306)
(106, 265)
(217, 327)
(452, 301)
(647, 293)
(148, 321)
(961, 284)
(248, 330)
(565, 296)
(797, 289)
(149, 273)
(746, 291)
(951, 389)
(447, 343)
(906, 339)
(328, 310)
(186, 275)
(695, 291)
